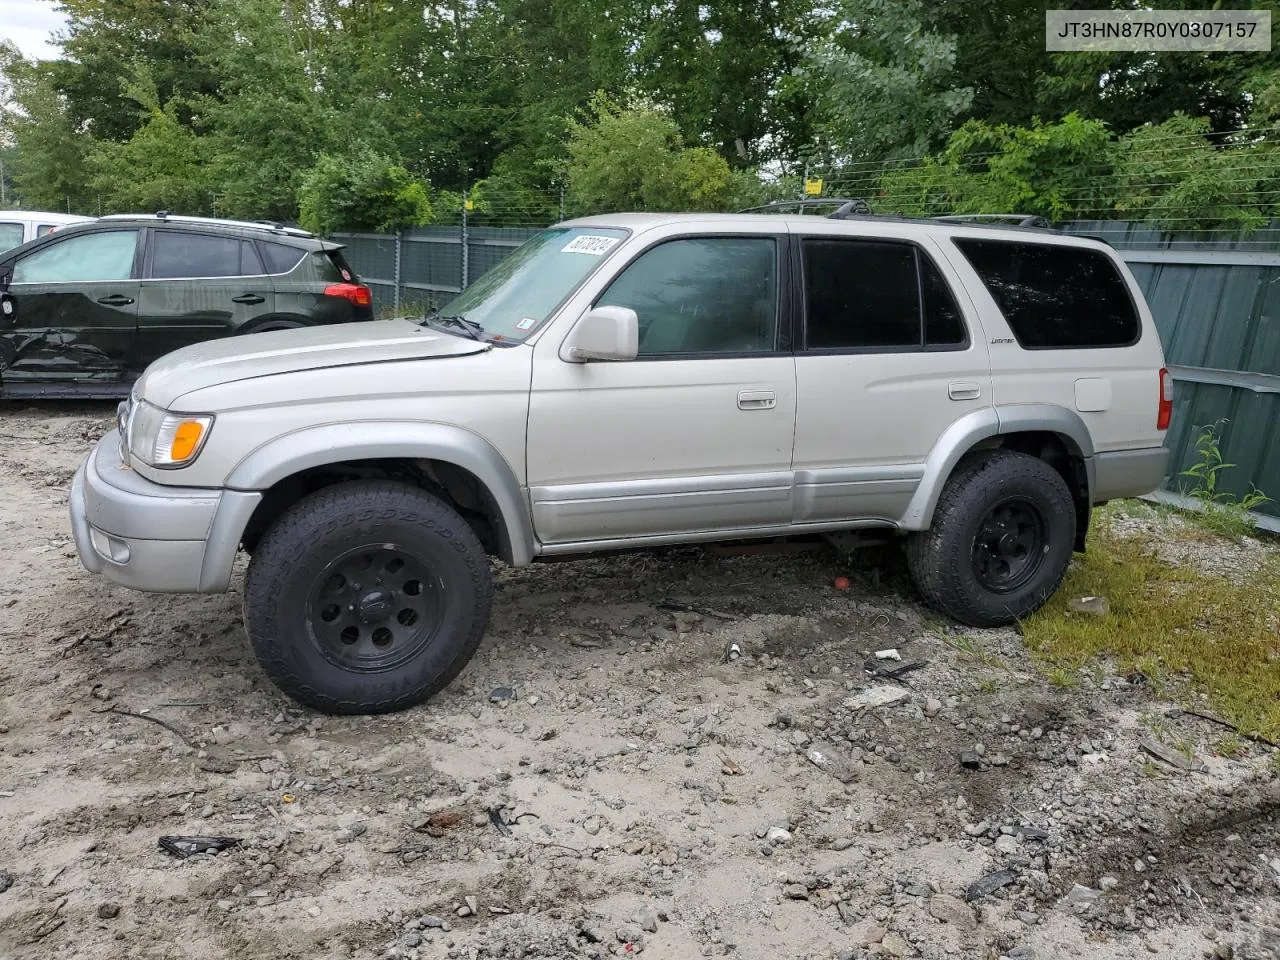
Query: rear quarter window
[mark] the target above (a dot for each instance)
(1053, 296)
(280, 257)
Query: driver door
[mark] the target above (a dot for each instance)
(75, 310)
(694, 436)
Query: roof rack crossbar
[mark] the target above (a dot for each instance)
(844, 206)
(1021, 219)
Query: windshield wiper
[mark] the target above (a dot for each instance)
(469, 327)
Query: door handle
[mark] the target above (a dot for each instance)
(247, 298)
(115, 300)
(964, 391)
(756, 400)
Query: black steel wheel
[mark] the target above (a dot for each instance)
(374, 608)
(367, 597)
(1000, 541)
(1008, 548)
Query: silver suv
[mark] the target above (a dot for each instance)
(633, 380)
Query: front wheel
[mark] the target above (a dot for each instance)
(367, 597)
(1000, 541)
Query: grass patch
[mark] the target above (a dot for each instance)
(1172, 623)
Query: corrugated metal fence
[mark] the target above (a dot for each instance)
(1217, 306)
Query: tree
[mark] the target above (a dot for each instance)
(1055, 170)
(361, 190)
(887, 85)
(50, 167)
(634, 159)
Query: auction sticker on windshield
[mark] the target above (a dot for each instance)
(594, 246)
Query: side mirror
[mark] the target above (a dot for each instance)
(605, 333)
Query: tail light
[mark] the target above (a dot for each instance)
(1165, 412)
(357, 293)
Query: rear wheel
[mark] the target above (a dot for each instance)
(1000, 542)
(367, 597)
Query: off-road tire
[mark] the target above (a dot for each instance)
(942, 559)
(287, 571)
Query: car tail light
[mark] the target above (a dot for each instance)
(1165, 413)
(357, 293)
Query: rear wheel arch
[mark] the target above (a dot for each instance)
(1050, 433)
(275, 321)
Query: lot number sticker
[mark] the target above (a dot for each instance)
(593, 246)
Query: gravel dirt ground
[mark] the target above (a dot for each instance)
(604, 779)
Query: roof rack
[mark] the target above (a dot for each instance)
(1019, 219)
(845, 208)
(164, 215)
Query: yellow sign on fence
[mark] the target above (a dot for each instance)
(813, 188)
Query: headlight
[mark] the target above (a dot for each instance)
(163, 439)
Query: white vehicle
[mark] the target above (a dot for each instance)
(20, 226)
(633, 380)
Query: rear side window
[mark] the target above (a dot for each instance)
(10, 235)
(198, 256)
(1055, 297)
(280, 257)
(876, 296)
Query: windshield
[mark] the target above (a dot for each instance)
(512, 299)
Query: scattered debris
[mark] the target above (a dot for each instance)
(890, 654)
(686, 608)
(353, 832)
(1080, 899)
(990, 884)
(732, 652)
(730, 767)
(1173, 758)
(502, 695)
(884, 672)
(777, 836)
(1094, 606)
(872, 697)
(438, 823)
(796, 891)
(6, 880)
(183, 847)
(970, 760)
(841, 583)
(108, 911)
(823, 758)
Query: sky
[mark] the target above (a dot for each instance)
(28, 23)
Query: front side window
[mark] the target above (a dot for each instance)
(90, 256)
(181, 255)
(512, 299)
(1055, 296)
(702, 295)
(876, 296)
(10, 235)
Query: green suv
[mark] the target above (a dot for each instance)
(83, 311)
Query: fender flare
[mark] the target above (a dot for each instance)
(318, 446)
(961, 437)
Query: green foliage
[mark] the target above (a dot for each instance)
(1056, 170)
(160, 167)
(1222, 512)
(635, 159)
(364, 190)
(1170, 174)
(887, 83)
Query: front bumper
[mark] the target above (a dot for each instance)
(153, 537)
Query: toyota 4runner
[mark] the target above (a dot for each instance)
(627, 381)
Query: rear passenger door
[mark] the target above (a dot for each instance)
(196, 287)
(890, 355)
